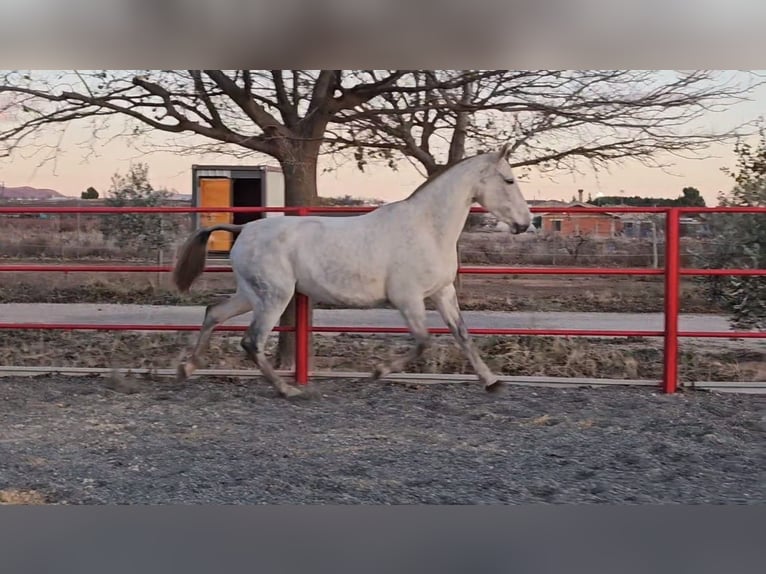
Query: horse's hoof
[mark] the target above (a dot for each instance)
(379, 372)
(181, 375)
(493, 387)
(294, 393)
(308, 392)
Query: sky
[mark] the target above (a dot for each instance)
(75, 169)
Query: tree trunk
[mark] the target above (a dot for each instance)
(299, 169)
(460, 132)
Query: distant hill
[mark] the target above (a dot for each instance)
(26, 192)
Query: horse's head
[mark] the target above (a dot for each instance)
(498, 191)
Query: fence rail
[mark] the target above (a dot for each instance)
(672, 273)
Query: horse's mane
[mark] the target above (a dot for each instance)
(431, 178)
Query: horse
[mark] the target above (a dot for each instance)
(402, 253)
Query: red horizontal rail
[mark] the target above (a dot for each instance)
(89, 268)
(560, 271)
(158, 209)
(720, 209)
(740, 272)
(724, 334)
(327, 329)
(547, 332)
(357, 209)
(387, 330)
(600, 271)
(481, 331)
(488, 270)
(102, 268)
(119, 327)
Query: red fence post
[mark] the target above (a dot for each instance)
(672, 298)
(302, 326)
(302, 329)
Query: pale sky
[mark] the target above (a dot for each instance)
(74, 171)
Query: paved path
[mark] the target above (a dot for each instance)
(170, 315)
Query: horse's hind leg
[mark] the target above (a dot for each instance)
(265, 317)
(414, 313)
(214, 316)
(446, 303)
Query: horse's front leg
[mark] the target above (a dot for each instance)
(446, 302)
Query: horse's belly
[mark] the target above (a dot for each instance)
(346, 297)
(348, 290)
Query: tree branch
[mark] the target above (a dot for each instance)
(246, 103)
(551, 116)
(286, 108)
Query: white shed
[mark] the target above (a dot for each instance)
(234, 186)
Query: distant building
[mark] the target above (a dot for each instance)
(637, 225)
(597, 225)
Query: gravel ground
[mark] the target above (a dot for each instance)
(94, 440)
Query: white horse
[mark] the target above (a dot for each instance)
(403, 253)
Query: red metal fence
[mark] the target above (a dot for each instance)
(672, 272)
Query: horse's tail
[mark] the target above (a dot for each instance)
(191, 258)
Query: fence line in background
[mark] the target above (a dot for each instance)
(672, 273)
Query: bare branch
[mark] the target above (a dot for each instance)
(199, 85)
(243, 98)
(286, 108)
(554, 119)
(364, 92)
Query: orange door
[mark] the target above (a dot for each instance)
(216, 192)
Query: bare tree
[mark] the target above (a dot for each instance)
(575, 243)
(282, 114)
(556, 119)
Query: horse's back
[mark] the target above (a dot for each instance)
(341, 260)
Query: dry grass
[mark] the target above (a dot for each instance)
(520, 356)
(66, 237)
(541, 421)
(18, 497)
(593, 358)
(143, 288)
(491, 248)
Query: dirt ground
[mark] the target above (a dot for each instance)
(67, 440)
(90, 441)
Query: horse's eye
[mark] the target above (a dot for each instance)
(509, 180)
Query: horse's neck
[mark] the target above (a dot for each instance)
(444, 204)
